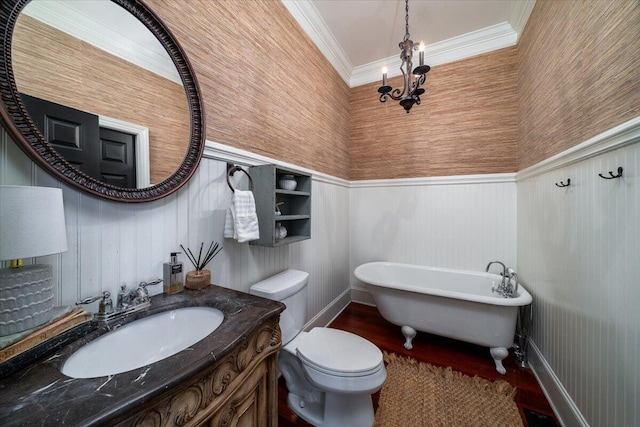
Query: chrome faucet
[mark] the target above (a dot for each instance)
(127, 301)
(506, 289)
(504, 275)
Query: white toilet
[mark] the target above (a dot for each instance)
(330, 374)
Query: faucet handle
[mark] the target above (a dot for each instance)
(89, 300)
(151, 283)
(142, 292)
(104, 296)
(106, 304)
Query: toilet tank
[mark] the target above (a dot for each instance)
(290, 288)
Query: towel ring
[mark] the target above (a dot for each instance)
(234, 169)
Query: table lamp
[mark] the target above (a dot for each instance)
(31, 225)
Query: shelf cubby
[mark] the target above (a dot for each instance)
(294, 205)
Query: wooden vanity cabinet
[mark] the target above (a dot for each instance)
(239, 390)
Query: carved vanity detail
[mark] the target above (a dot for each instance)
(240, 389)
(229, 378)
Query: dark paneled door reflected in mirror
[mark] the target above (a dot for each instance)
(104, 154)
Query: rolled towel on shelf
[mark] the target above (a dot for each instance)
(241, 222)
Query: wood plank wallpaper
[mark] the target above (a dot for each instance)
(466, 124)
(266, 87)
(55, 66)
(578, 74)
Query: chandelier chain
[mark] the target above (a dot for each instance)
(406, 21)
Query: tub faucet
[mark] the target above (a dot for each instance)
(504, 274)
(512, 290)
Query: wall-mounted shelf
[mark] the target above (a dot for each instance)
(294, 205)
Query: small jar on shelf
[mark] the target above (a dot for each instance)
(281, 231)
(287, 182)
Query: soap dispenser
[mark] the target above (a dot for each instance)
(173, 275)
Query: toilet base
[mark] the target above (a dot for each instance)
(338, 410)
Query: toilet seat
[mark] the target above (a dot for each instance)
(339, 353)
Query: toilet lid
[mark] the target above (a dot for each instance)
(339, 352)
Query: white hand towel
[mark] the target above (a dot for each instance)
(241, 222)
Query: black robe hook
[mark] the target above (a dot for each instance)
(562, 184)
(612, 175)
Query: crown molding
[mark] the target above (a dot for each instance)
(520, 15)
(312, 23)
(454, 49)
(485, 40)
(65, 18)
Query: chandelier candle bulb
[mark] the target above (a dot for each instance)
(384, 76)
(421, 51)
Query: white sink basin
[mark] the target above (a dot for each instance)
(143, 342)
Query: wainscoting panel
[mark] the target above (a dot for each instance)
(578, 255)
(111, 244)
(461, 222)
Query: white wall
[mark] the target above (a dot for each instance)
(113, 243)
(578, 255)
(576, 249)
(454, 222)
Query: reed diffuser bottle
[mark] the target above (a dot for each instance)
(200, 278)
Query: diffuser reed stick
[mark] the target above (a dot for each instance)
(201, 262)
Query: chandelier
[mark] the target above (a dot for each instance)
(410, 93)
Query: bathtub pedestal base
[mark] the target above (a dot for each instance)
(499, 354)
(409, 334)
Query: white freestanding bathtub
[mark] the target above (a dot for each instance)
(457, 304)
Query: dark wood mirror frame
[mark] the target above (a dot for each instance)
(23, 130)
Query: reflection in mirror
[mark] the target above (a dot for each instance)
(96, 58)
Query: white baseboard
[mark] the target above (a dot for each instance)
(330, 312)
(563, 406)
(362, 296)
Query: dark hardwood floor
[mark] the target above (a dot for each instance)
(467, 358)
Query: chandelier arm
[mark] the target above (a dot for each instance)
(416, 84)
(396, 94)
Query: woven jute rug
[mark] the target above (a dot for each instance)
(418, 394)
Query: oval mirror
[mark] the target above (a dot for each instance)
(100, 95)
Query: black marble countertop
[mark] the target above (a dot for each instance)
(40, 395)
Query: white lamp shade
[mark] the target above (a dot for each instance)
(31, 222)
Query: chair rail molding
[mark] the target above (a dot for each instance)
(619, 136)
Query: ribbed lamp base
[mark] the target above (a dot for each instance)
(26, 298)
